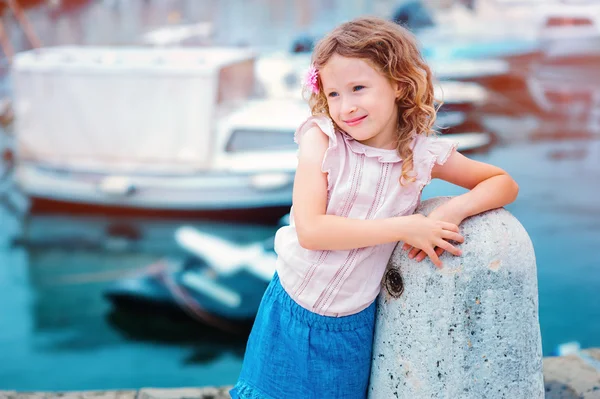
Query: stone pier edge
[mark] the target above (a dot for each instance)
(565, 377)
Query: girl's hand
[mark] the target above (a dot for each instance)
(441, 213)
(427, 233)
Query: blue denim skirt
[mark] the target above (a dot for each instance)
(295, 353)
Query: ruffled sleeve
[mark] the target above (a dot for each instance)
(331, 159)
(430, 151)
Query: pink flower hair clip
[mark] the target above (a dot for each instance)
(311, 80)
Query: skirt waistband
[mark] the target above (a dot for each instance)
(365, 317)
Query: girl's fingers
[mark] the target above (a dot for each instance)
(449, 247)
(433, 256)
(405, 247)
(413, 252)
(449, 226)
(452, 236)
(438, 251)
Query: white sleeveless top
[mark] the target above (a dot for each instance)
(363, 183)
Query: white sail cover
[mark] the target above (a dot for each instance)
(124, 109)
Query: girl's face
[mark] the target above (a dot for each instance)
(361, 101)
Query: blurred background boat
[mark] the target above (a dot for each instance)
(219, 283)
(218, 147)
(214, 272)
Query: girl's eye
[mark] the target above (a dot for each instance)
(357, 88)
(333, 94)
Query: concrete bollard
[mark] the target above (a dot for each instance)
(469, 330)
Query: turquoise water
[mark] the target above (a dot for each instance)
(58, 333)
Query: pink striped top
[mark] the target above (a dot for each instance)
(363, 183)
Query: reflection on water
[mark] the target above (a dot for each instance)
(72, 259)
(56, 269)
(568, 93)
(206, 345)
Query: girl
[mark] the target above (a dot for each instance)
(364, 157)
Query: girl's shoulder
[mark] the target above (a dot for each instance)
(429, 151)
(331, 158)
(433, 147)
(321, 121)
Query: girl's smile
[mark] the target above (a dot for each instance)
(355, 121)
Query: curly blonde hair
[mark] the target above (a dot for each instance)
(393, 51)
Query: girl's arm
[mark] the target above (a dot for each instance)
(490, 187)
(318, 231)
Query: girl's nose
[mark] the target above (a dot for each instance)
(349, 108)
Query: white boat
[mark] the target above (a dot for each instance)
(226, 258)
(145, 127)
(172, 129)
(220, 283)
(570, 29)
